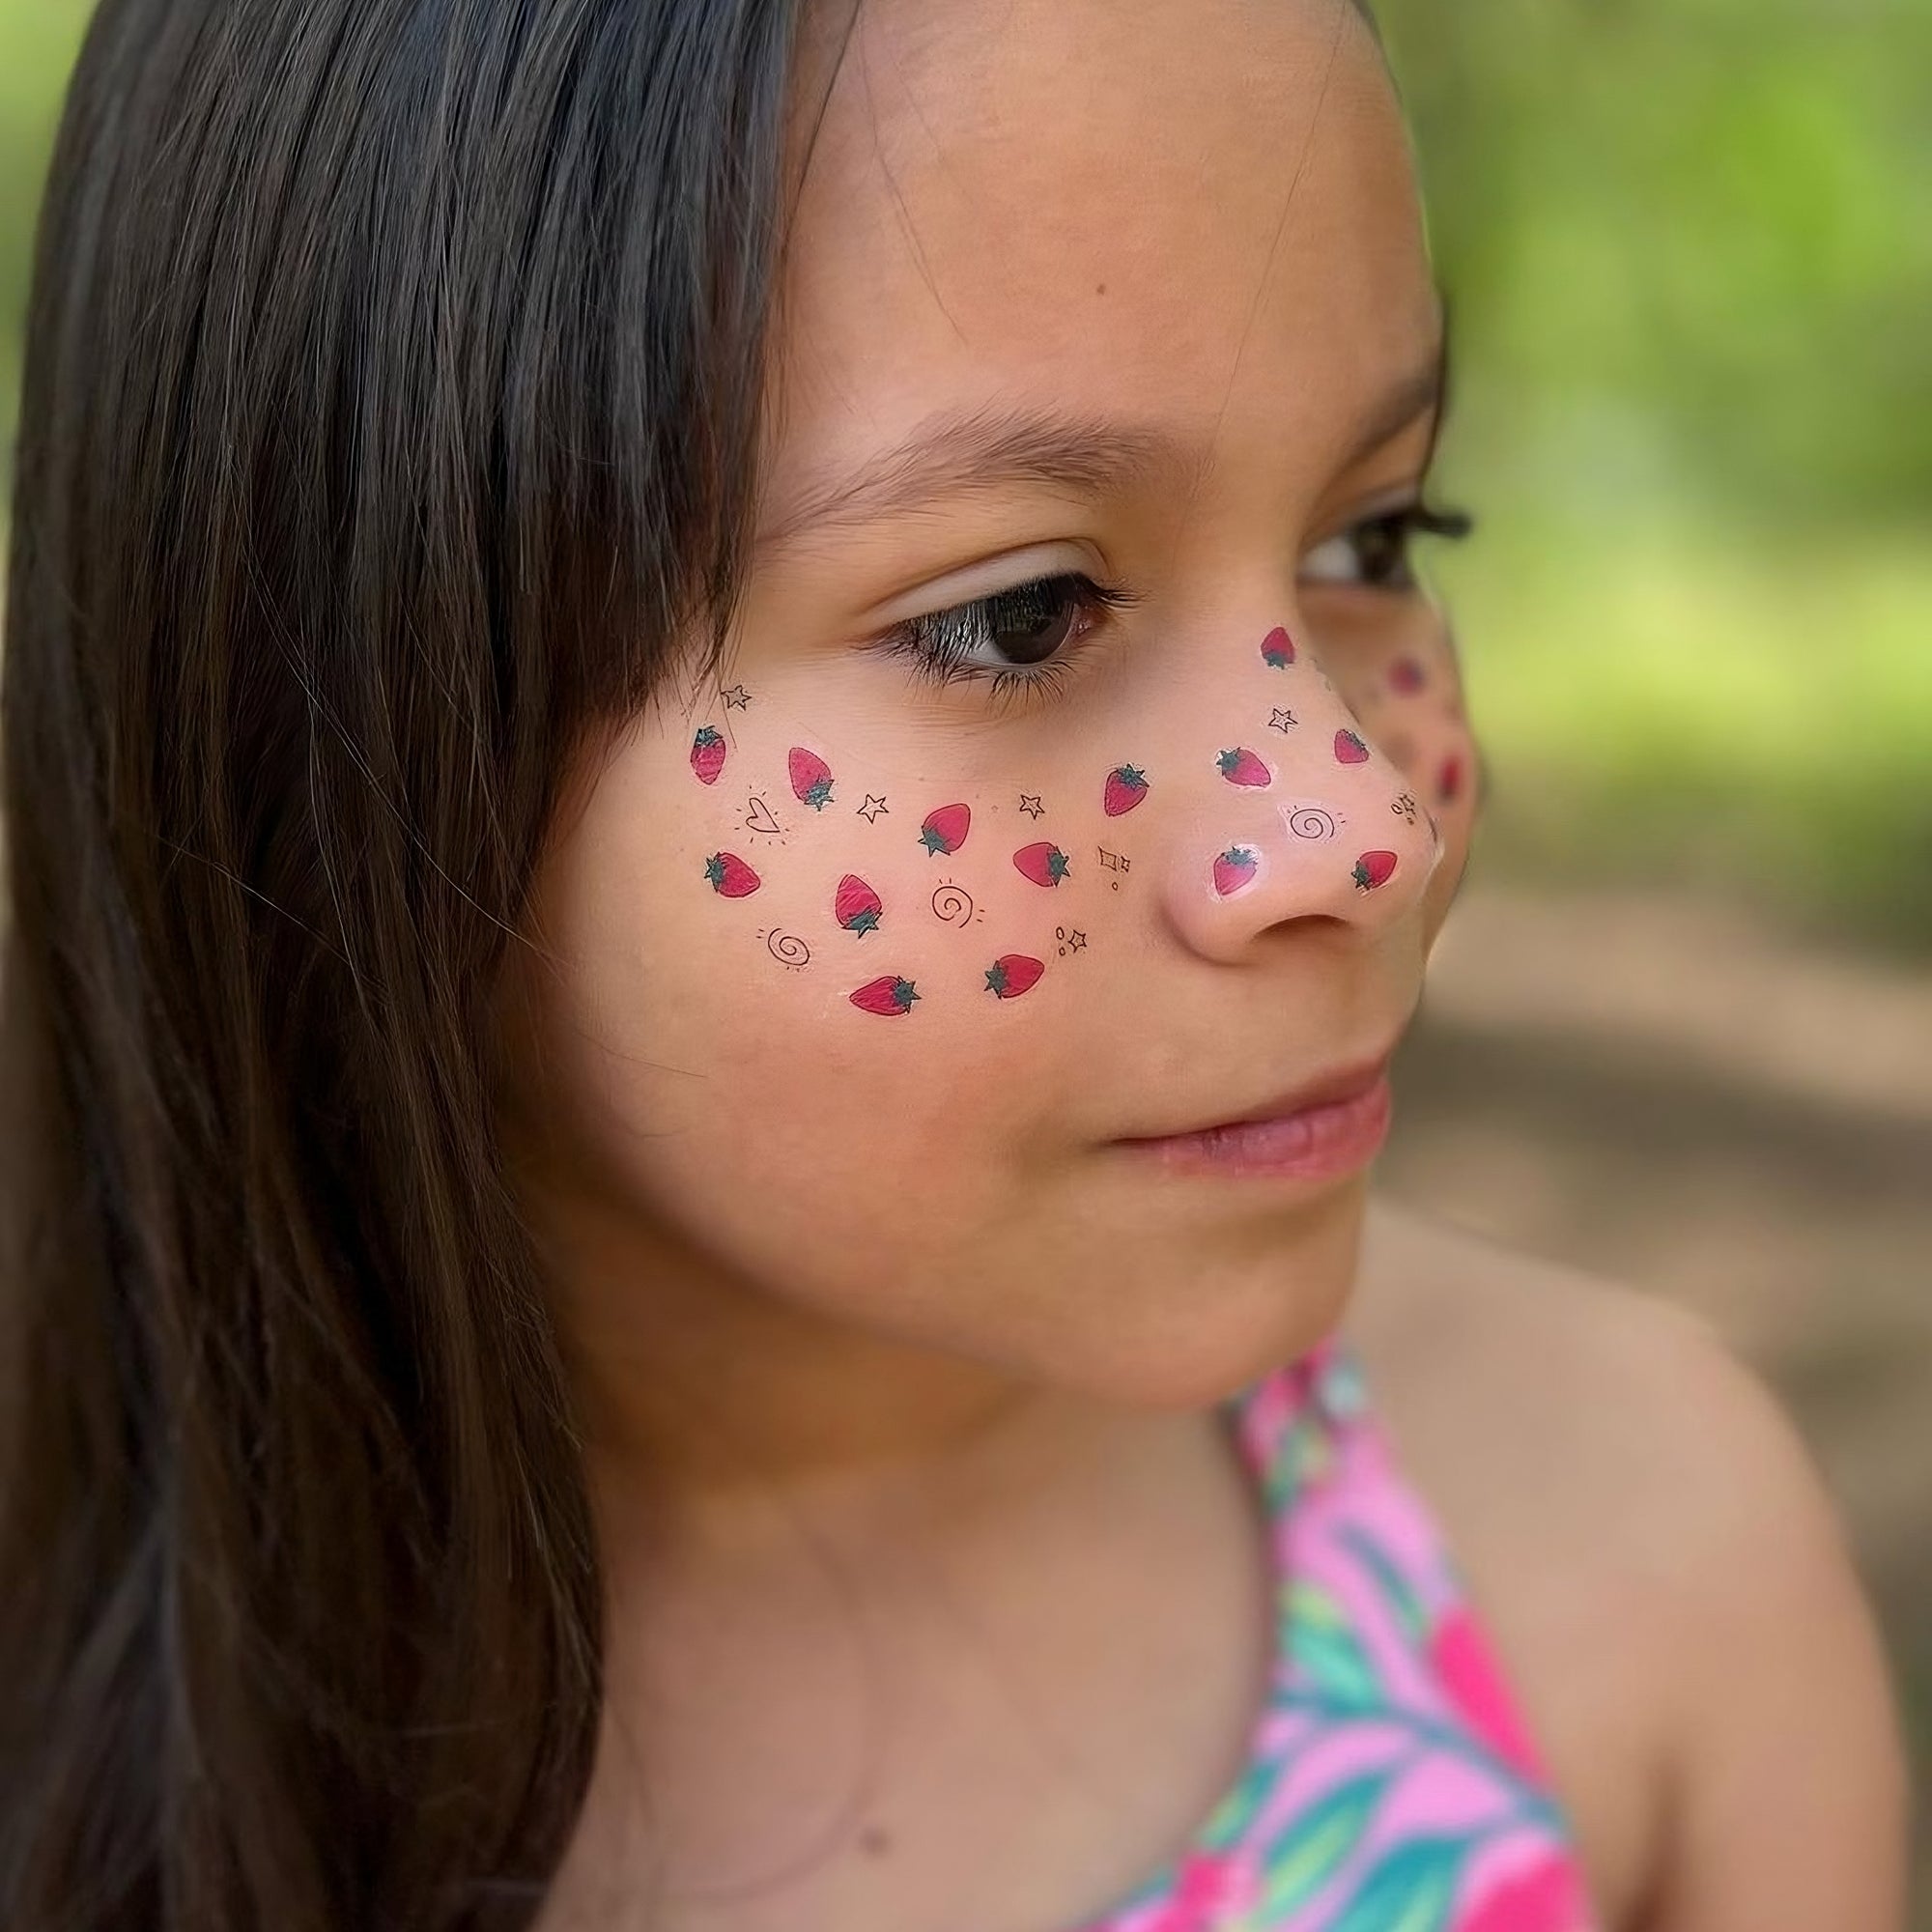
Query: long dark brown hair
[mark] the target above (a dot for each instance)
(393, 379)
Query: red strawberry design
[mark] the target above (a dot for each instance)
(1232, 869)
(1011, 974)
(811, 777)
(1405, 675)
(707, 754)
(1045, 864)
(1241, 767)
(1124, 789)
(1450, 779)
(1349, 748)
(729, 875)
(944, 831)
(889, 994)
(1278, 649)
(856, 906)
(1371, 869)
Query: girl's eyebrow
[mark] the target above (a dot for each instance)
(957, 452)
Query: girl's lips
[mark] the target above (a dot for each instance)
(1314, 1144)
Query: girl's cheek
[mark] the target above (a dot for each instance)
(1408, 693)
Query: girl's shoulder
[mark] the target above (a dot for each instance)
(1663, 1571)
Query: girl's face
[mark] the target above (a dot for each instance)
(874, 948)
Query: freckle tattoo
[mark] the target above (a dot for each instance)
(1349, 748)
(707, 754)
(1234, 870)
(1313, 821)
(1045, 864)
(870, 811)
(856, 906)
(1278, 649)
(889, 994)
(1011, 974)
(786, 947)
(758, 817)
(1281, 721)
(1125, 787)
(1029, 804)
(1241, 767)
(729, 875)
(942, 831)
(953, 904)
(1405, 807)
(1373, 869)
(811, 777)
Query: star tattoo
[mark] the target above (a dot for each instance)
(1282, 720)
(737, 697)
(1030, 805)
(871, 808)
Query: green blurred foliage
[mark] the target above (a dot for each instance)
(1687, 252)
(1688, 246)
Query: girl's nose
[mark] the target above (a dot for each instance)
(1313, 823)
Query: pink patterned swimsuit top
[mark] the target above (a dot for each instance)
(1391, 1784)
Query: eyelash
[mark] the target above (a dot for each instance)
(931, 644)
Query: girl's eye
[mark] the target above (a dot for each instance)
(1375, 551)
(1022, 642)
(1015, 641)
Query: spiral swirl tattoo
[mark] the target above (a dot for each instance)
(953, 904)
(1311, 821)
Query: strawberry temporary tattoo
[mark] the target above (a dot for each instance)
(944, 831)
(953, 904)
(811, 777)
(1277, 649)
(1072, 940)
(707, 754)
(1406, 676)
(889, 994)
(1371, 869)
(856, 906)
(1449, 782)
(729, 875)
(1011, 974)
(1241, 767)
(1045, 864)
(1234, 870)
(1124, 789)
(786, 947)
(1349, 748)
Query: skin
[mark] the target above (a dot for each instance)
(924, 1207)
(875, 1274)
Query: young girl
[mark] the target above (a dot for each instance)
(724, 784)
